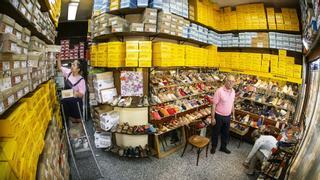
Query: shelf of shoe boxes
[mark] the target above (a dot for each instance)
(107, 114)
(244, 17)
(22, 132)
(28, 14)
(68, 53)
(200, 33)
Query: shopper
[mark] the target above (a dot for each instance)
(261, 150)
(222, 107)
(73, 80)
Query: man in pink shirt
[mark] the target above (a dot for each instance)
(222, 107)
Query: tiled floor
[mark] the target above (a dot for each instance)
(217, 166)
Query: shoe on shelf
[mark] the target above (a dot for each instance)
(140, 104)
(121, 102)
(225, 150)
(145, 101)
(116, 100)
(127, 101)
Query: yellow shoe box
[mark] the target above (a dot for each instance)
(145, 55)
(145, 45)
(144, 63)
(131, 62)
(132, 45)
(132, 54)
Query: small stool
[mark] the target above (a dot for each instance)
(199, 142)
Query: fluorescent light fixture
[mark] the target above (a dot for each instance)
(72, 10)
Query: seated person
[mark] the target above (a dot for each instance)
(261, 150)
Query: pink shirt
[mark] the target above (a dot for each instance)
(224, 99)
(81, 86)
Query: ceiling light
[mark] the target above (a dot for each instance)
(72, 10)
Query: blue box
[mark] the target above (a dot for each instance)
(142, 3)
(128, 4)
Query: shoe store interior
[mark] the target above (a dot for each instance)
(160, 89)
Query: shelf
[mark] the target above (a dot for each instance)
(8, 9)
(264, 103)
(257, 116)
(182, 84)
(248, 125)
(256, 48)
(125, 11)
(150, 35)
(175, 115)
(263, 74)
(179, 126)
(184, 97)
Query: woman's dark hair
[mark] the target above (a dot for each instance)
(79, 65)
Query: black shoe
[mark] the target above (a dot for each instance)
(212, 150)
(225, 150)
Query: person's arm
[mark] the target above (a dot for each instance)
(213, 112)
(215, 101)
(255, 148)
(59, 62)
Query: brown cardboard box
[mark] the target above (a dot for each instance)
(150, 12)
(134, 18)
(8, 43)
(6, 24)
(136, 27)
(164, 16)
(150, 28)
(102, 109)
(119, 28)
(26, 35)
(149, 20)
(116, 21)
(164, 29)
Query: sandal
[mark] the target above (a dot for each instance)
(125, 128)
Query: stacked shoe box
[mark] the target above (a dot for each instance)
(100, 7)
(116, 54)
(13, 62)
(104, 89)
(193, 32)
(214, 38)
(145, 53)
(128, 4)
(150, 20)
(65, 49)
(81, 50)
(138, 53)
(227, 40)
(164, 22)
(132, 53)
(24, 133)
(118, 24)
(158, 4)
(285, 41)
(142, 3)
(135, 21)
(53, 162)
(253, 39)
(101, 25)
(114, 5)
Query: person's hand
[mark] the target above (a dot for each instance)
(213, 121)
(77, 94)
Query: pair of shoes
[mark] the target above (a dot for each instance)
(143, 101)
(125, 102)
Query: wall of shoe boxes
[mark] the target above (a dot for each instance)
(164, 54)
(54, 10)
(25, 61)
(167, 23)
(23, 135)
(77, 52)
(41, 21)
(244, 17)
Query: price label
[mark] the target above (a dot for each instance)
(20, 94)
(11, 99)
(5, 66)
(26, 90)
(8, 29)
(16, 64)
(18, 35)
(17, 79)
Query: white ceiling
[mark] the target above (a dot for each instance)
(275, 3)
